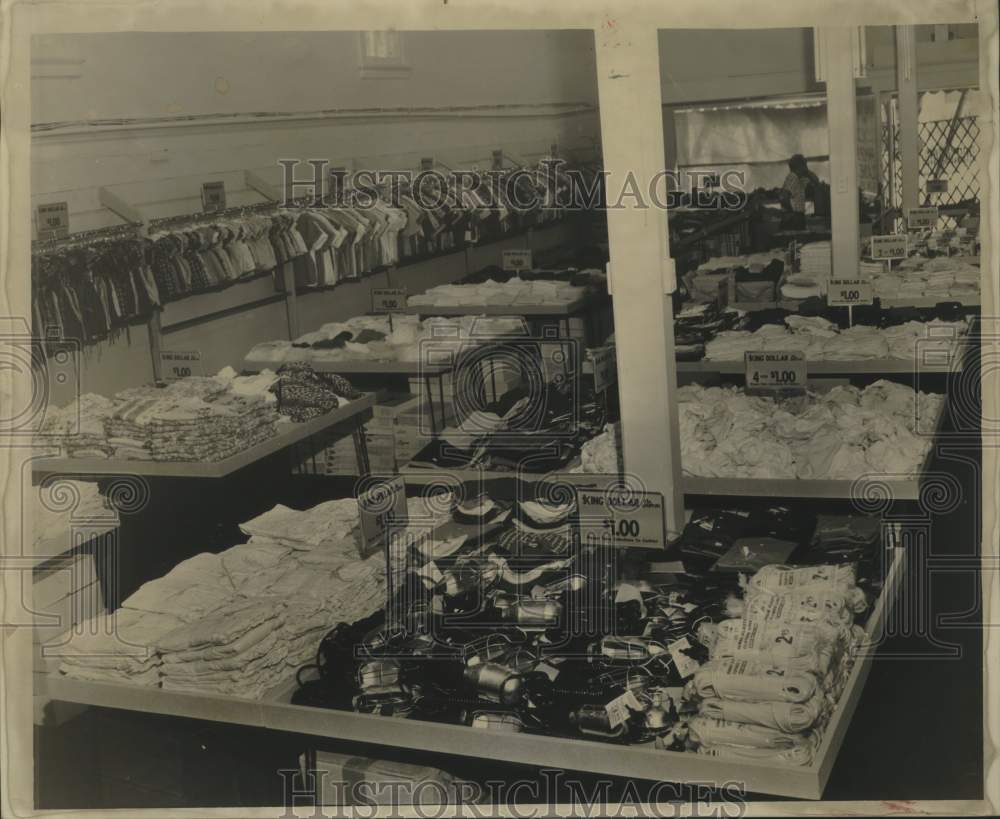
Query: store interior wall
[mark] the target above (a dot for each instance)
(104, 91)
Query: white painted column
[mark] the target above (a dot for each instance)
(841, 116)
(908, 107)
(641, 272)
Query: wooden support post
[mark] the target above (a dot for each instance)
(628, 68)
(908, 107)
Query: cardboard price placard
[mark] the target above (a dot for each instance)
(380, 507)
(605, 367)
(388, 300)
(53, 220)
(921, 218)
(775, 371)
(621, 517)
(849, 293)
(937, 186)
(515, 260)
(177, 364)
(892, 246)
(213, 196)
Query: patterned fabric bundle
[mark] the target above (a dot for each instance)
(304, 394)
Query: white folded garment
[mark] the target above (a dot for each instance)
(790, 717)
(740, 679)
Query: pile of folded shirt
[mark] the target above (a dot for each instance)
(755, 277)
(513, 292)
(537, 527)
(778, 667)
(943, 278)
(194, 419)
(843, 434)
(698, 323)
(304, 394)
(822, 340)
(53, 520)
(78, 428)
(235, 622)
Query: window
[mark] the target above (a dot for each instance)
(382, 55)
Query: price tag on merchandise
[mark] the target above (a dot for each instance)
(849, 293)
(921, 218)
(621, 517)
(775, 371)
(892, 246)
(175, 364)
(685, 665)
(937, 186)
(605, 367)
(213, 196)
(515, 260)
(52, 220)
(380, 507)
(618, 708)
(388, 300)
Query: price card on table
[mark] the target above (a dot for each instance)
(53, 220)
(775, 371)
(605, 367)
(921, 218)
(515, 260)
(621, 517)
(388, 300)
(892, 246)
(379, 507)
(849, 293)
(213, 196)
(177, 364)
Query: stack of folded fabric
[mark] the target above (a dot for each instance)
(601, 455)
(195, 419)
(943, 278)
(304, 394)
(234, 622)
(78, 428)
(52, 521)
(778, 667)
(822, 340)
(513, 292)
(841, 434)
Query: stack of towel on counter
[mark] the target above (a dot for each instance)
(778, 667)
(77, 429)
(823, 340)
(943, 278)
(514, 292)
(369, 339)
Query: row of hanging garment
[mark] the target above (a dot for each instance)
(91, 289)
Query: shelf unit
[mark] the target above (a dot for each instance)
(356, 412)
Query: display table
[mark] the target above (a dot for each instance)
(276, 713)
(356, 413)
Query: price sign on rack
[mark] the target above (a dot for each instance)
(621, 518)
(783, 372)
(53, 220)
(176, 364)
(605, 367)
(849, 293)
(515, 260)
(937, 186)
(388, 300)
(921, 218)
(213, 196)
(892, 246)
(380, 507)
